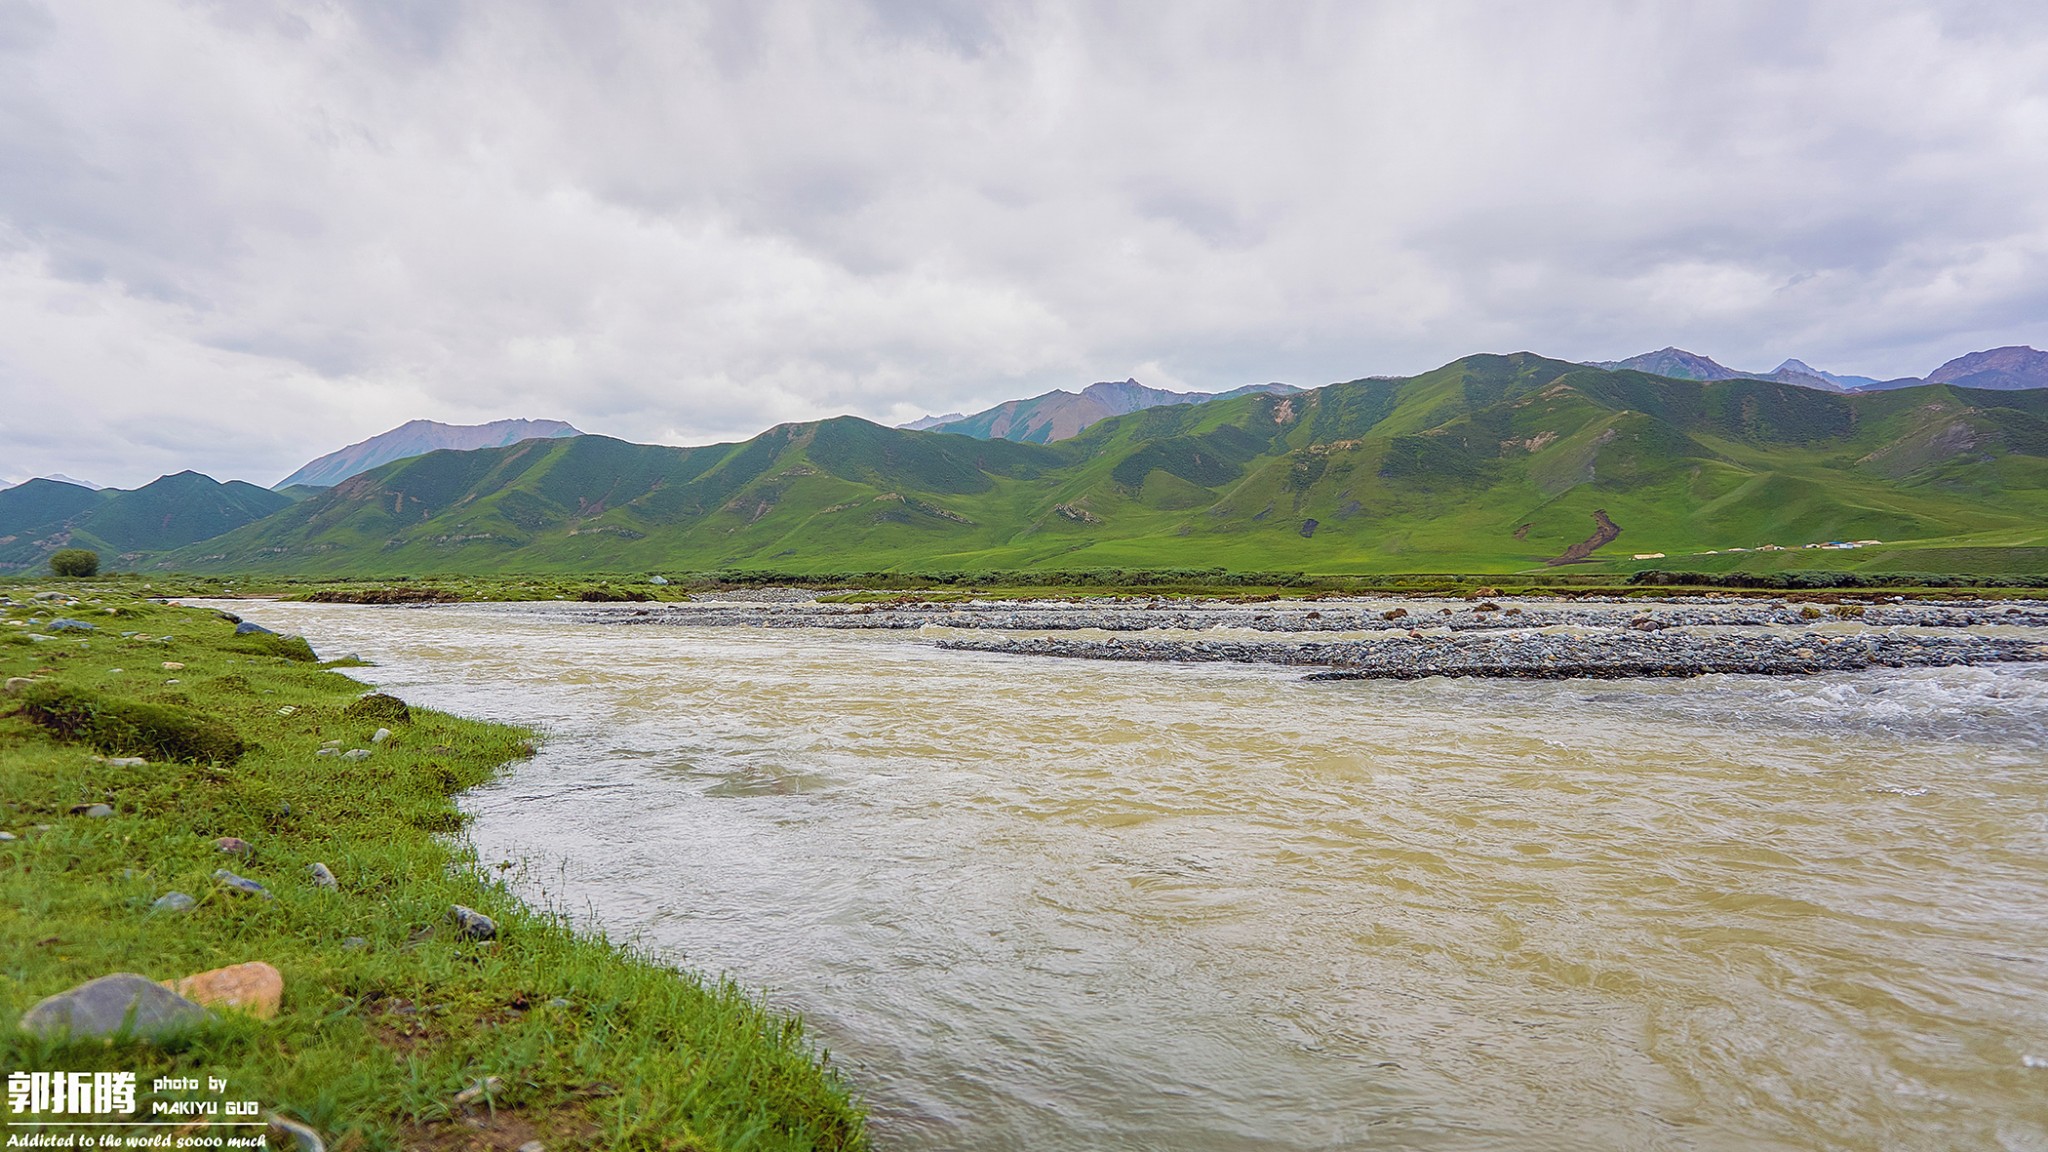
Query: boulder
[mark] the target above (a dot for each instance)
(120, 1005)
(255, 988)
(246, 628)
(66, 624)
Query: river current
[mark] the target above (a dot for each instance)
(1040, 904)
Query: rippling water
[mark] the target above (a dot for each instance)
(1033, 904)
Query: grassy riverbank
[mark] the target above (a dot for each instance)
(388, 1015)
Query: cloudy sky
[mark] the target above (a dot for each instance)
(237, 235)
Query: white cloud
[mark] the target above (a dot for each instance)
(234, 236)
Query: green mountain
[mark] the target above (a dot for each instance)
(1491, 463)
(125, 527)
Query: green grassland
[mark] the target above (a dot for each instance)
(388, 1014)
(1489, 465)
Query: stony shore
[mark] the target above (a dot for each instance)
(1417, 637)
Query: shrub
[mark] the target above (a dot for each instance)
(75, 562)
(132, 727)
(380, 707)
(272, 644)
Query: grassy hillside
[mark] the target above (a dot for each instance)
(125, 527)
(1491, 463)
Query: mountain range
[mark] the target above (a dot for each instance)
(2001, 369)
(40, 516)
(415, 438)
(1062, 415)
(1490, 463)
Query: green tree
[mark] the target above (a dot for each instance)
(75, 562)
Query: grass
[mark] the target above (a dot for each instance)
(387, 1014)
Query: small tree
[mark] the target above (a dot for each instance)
(75, 562)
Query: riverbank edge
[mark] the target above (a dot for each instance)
(397, 1028)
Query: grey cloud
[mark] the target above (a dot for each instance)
(243, 234)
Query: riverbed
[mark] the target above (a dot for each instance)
(1032, 903)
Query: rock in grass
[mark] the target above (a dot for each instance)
(255, 988)
(16, 685)
(486, 1087)
(232, 845)
(66, 624)
(127, 762)
(172, 902)
(95, 811)
(472, 924)
(291, 1136)
(356, 754)
(328, 752)
(6, 836)
(246, 628)
(122, 1004)
(241, 884)
(323, 877)
(381, 735)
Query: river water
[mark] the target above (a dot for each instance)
(1051, 905)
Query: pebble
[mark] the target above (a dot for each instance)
(323, 877)
(488, 1086)
(119, 1004)
(354, 942)
(381, 736)
(233, 845)
(255, 988)
(472, 924)
(532, 1146)
(172, 902)
(16, 685)
(328, 752)
(126, 762)
(94, 811)
(173, 666)
(241, 884)
(330, 744)
(6, 836)
(289, 1135)
(356, 754)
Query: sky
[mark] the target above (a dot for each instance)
(237, 235)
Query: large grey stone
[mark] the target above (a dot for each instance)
(172, 902)
(246, 628)
(122, 1004)
(473, 924)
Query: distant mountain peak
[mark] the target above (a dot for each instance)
(2010, 368)
(417, 438)
(1061, 415)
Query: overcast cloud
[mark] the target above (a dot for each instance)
(237, 235)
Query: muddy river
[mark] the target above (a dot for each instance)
(1030, 903)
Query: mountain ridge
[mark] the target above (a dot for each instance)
(1489, 463)
(1058, 415)
(414, 438)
